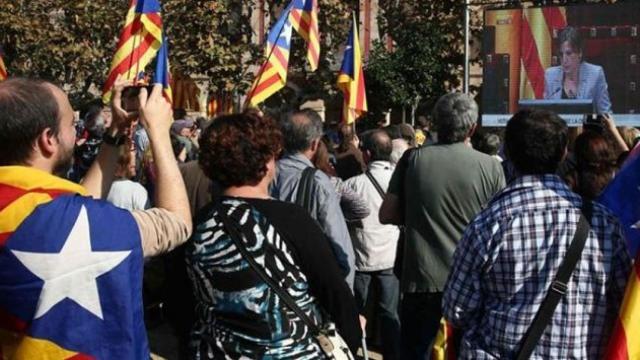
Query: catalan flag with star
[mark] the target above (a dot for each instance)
(70, 272)
(351, 79)
(272, 76)
(140, 41)
(304, 18)
(620, 196)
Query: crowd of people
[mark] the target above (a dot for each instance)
(279, 232)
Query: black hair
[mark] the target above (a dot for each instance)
(536, 141)
(27, 108)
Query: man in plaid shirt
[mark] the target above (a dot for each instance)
(510, 253)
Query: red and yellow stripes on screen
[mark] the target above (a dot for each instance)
(139, 42)
(221, 103)
(624, 344)
(537, 46)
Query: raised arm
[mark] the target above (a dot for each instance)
(156, 117)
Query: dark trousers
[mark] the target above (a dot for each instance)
(386, 307)
(420, 314)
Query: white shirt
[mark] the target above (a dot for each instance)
(130, 195)
(374, 244)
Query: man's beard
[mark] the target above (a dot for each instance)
(64, 162)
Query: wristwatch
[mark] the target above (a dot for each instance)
(113, 140)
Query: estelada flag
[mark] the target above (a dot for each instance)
(139, 43)
(272, 76)
(304, 18)
(621, 197)
(351, 79)
(70, 272)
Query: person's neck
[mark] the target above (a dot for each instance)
(259, 191)
(572, 76)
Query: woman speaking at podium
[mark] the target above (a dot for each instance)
(574, 78)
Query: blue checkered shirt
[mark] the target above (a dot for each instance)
(506, 261)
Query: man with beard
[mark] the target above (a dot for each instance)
(70, 263)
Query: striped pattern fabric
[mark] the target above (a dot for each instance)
(351, 79)
(508, 257)
(220, 103)
(621, 197)
(3, 69)
(238, 316)
(304, 17)
(272, 76)
(140, 40)
(537, 34)
(444, 347)
(622, 345)
(18, 197)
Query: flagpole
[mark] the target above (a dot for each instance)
(357, 32)
(257, 81)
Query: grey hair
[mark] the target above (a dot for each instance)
(453, 117)
(300, 129)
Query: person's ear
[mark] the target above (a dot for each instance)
(472, 131)
(314, 145)
(47, 143)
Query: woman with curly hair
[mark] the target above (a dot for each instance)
(237, 314)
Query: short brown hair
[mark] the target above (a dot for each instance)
(235, 149)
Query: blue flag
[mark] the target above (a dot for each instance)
(622, 197)
(71, 283)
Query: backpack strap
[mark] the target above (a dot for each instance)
(303, 195)
(375, 183)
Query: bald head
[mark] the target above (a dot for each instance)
(300, 129)
(378, 145)
(27, 108)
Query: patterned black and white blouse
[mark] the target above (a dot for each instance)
(237, 315)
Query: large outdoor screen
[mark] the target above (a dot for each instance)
(574, 60)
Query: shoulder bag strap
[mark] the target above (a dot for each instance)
(303, 195)
(235, 235)
(375, 183)
(559, 285)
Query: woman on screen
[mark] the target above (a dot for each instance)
(574, 78)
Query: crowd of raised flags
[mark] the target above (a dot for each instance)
(142, 40)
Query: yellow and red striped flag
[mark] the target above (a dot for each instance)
(623, 345)
(304, 17)
(221, 103)
(3, 69)
(444, 345)
(272, 76)
(538, 25)
(351, 79)
(140, 40)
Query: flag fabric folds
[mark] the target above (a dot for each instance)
(162, 73)
(623, 344)
(351, 79)
(140, 40)
(304, 18)
(538, 24)
(68, 289)
(620, 196)
(272, 76)
(221, 103)
(446, 342)
(3, 69)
